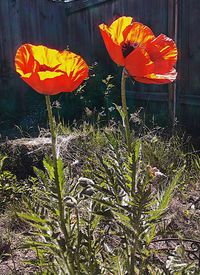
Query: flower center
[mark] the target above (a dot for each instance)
(128, 47)
(44, 68)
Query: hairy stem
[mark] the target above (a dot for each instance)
(57, 183)
(125, 111)
(78, 242)
(127, 129)
(133, 165)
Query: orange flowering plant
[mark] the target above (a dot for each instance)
(146, 58)
(49, 72)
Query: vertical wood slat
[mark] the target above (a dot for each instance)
(83, 4)
(184, 45)
(172, 32)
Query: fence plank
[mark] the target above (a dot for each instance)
(75, 6)
(58, 25)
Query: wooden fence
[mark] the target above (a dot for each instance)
(75, 24)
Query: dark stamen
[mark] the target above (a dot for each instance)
(128, 47)
(44, 68)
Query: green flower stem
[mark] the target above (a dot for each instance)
(125, 111)
(132, 155)
(134, 248)
(127, 127)
(78, 243)
(57, 183)
(90, 236)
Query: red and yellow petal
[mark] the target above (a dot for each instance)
(45, 82)
(73, 65)
(113, 38)
(24, 60)
(51, 83)
(162, 48)
(113, 49)
(158, 78)
(138, 63)
(162, 66)
(117, 28)
(138, 33)
(49, 71)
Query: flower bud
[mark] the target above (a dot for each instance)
(70, 201)
(84, 182)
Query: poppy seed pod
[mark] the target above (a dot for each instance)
(84, 182)
(89, 191)
(70, 201)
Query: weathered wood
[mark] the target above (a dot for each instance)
(79, 5)
(75, 24)
(172, 32)
(159, 97)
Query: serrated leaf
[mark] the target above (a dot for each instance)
(120, 111)
(137, 149)
(2, 161)
(61, 175)
(49, 167)
(170, 189)
(156, 214)
(32, 217)
(41, 175)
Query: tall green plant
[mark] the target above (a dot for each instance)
(136, 212)
(66, 242)
(125, 182)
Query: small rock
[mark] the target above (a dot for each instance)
(22, 154)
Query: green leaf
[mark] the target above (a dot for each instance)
(137, 149)
(170, 189)
(95, 221)
(122, 217)
(41, 175)
(32, 217)
(41, 244)
(150, 235)
(120, 111)
(49, 167)
(2, 161)
(156, 214)
(106, 203)
(61, 175)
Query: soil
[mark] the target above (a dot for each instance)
(12, 256)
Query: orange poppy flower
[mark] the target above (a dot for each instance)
(49, 71)
(147, 58)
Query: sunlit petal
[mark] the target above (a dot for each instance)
(138, 63)
(49, 71)
(138, 33)
(113, 38)
(158, 78)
